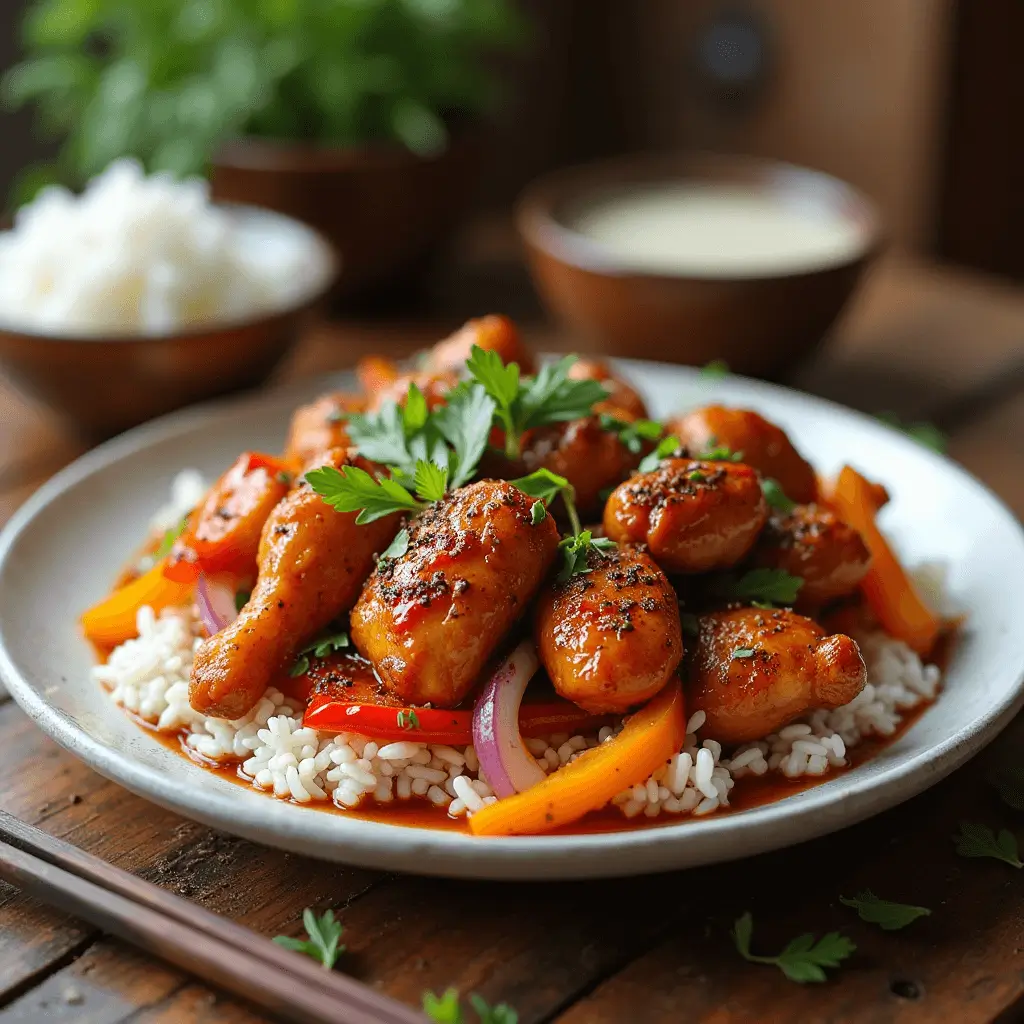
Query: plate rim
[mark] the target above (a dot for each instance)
(367, 843)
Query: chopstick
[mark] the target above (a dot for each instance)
(213, 948)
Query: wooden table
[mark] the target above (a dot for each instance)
(926, 343)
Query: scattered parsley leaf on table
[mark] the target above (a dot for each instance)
(767, 586)
(803, 960)
(324, 933)
(980, 841)
(1009, 782)
(888, 916)
(446, 1009)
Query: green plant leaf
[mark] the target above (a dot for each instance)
(888, 916)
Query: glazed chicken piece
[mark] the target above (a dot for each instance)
(320, 426)
(693, 516)
(312, 565)
(610, 638)
(622, 396)
(435, 386)
(754, 671)
(815, 544)
(591, 458)
(492, 333)
(431, 618)
(764, 446)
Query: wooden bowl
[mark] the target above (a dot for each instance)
(383, 208)
(103, 385)
(759, 324)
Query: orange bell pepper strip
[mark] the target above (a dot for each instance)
(888, 590)
(112, 621)
(649, 739)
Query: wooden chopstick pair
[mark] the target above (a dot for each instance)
(217, 950)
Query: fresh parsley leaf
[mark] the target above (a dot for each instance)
(521, 404)
(324, 935)
(542, 484)
(445, 1009)
(696, 476)
(776, 496)
(633, 435)
(715, 370)
(431, 480)
(397, 547)
(414, 412)
(320, 647)
(926, 434)
(743, 652)
(1008, 779)
(888, 916)
(803, 960)
(381, 437)
(980, 841)
(168, 539)
(242, 599)
(351, 489)
(667, 447)
(538, 513)
(719, 453)
(575, 550)
(465, 423)
(690, 624)
(407, 720)
(771, 586)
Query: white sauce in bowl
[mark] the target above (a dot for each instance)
(706, 230)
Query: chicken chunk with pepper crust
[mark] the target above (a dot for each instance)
(754, 671)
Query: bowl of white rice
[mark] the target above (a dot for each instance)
(141, 295)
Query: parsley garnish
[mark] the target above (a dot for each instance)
(351, 489)
(715, 370)
(538, 513)
(696, 476)
(242, 599)
(776, 496)
(408, 720)
(743, 652)
(888, 916)
(550, 397)
(445, 1009)
(980, 841)
(575, 550)
(667, 446)
(716, 452)
(324, 933)
(321, 647)
(764, 586)
(926, 434)
(632, 435)
(803, 960)
(1008, 779)
(168, 539)
(397, 547)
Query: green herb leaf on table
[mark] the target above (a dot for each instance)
(976, 840)
(715, 370)
(776, 496)
(803, 960)
(321, 647)
(446, 1009)
(766, 586)
(397, 547)
(633, 435)
(667, 447)
(888, 916)
(351, 489)
(324, 935)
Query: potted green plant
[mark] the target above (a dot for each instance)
(357, 116)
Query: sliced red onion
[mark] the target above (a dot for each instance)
(505, 760)
(216, 600)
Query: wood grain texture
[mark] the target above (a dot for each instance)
(654, 949)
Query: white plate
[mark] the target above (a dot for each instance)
(61, 551)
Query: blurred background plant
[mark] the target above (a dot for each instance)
(167, 81)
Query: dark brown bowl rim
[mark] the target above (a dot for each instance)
(539, 225)
(307, 300)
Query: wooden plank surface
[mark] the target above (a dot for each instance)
(654, 949)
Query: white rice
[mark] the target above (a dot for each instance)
(149, 677)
